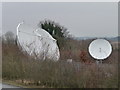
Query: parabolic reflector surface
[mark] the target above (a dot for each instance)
(37, 42)
(100, 49)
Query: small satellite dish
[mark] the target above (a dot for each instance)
(100, 49)
(37, 42)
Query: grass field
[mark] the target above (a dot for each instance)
(82, 73)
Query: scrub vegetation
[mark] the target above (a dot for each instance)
(83, 72)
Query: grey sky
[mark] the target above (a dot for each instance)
(0, 18)
(81, 19)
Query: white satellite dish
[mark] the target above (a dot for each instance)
(37, 42)
(100, 49)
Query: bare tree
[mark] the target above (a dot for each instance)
(9, 37)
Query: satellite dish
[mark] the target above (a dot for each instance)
(100, 49)
(37, 42)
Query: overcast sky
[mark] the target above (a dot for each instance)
(81, 19)
(0, 18)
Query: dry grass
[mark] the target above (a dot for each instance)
(0, 59)
(28, 71)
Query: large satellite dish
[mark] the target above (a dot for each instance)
(37, 42)
(100, 49)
